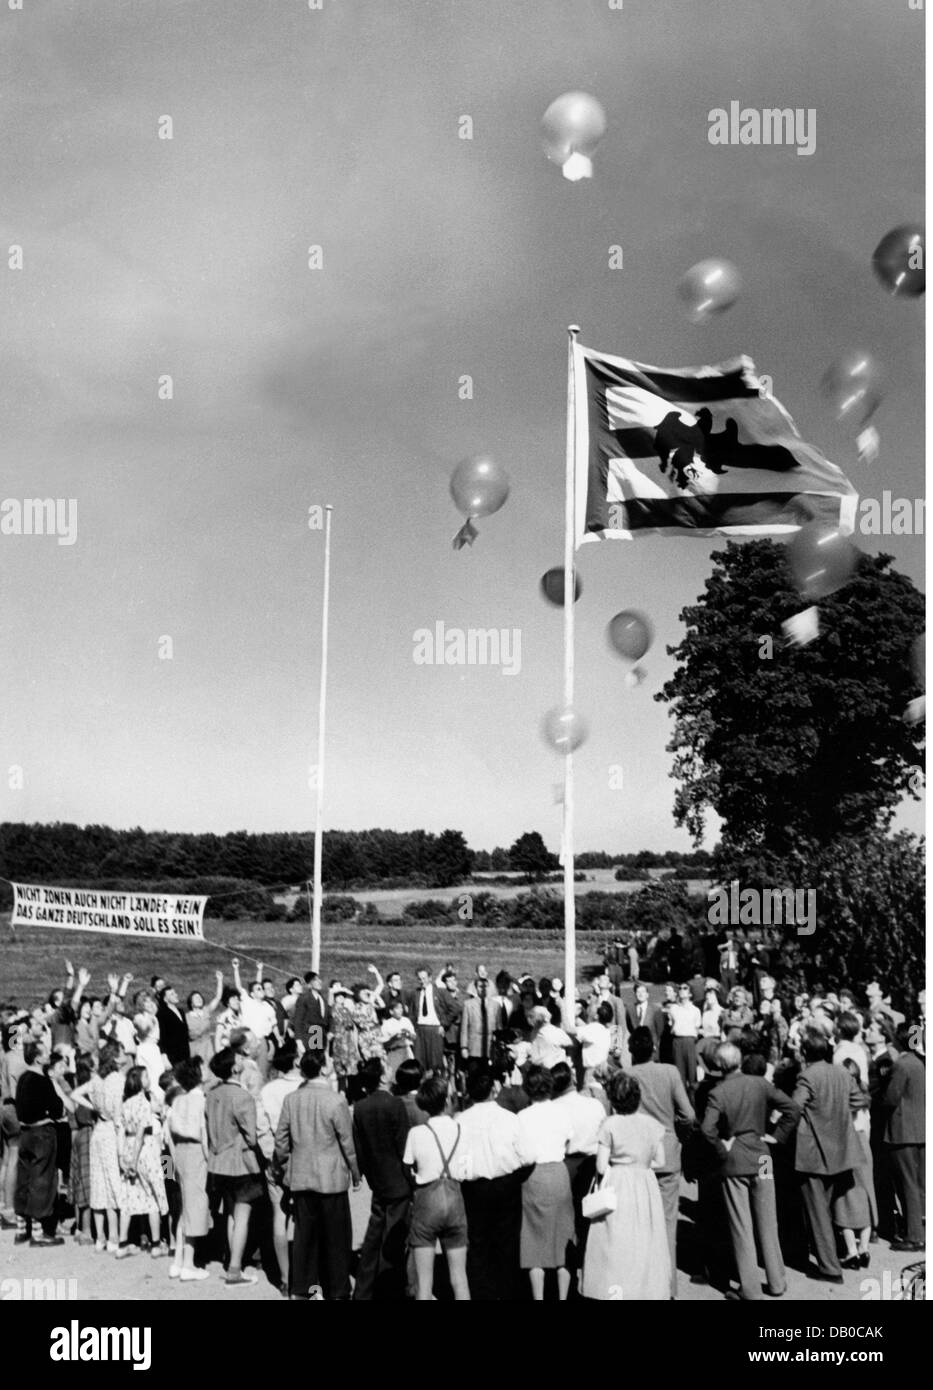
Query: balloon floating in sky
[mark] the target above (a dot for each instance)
(572, 127)
(479, 487)
(564, 729)
(918, 659)
(852, 385)
(898, 261)
(629, 633)
(821, 559)
(709, 288)
(552, 586)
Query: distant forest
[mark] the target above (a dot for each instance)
(97, 854)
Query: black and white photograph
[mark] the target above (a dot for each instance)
(462, 714)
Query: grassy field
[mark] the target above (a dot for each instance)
(32, 959)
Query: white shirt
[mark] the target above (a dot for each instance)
(258, 1015)
(596, 1039)
(487, 1141)
(422, 1153)
(547, 1046)
(544, 1132)
(272, 1097)
(586, 1116)
(686, 1020)
(430, 1018)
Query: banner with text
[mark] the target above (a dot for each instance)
(171, 915)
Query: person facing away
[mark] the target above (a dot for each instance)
(380, 1129)
(735, 1124)
(827, 1145)
(314, 1148)
(664, 1097)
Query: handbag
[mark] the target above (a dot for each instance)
(599, 1201)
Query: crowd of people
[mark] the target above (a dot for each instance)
(539, 1141)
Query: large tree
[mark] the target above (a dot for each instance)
(530, 855)
(793, 746)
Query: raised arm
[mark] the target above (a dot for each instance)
(218, 993)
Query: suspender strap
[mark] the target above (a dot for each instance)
(446, 1160)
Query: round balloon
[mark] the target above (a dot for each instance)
(572, 127)
(898, 261)
(552, 586)
(918, 659)
(479, 486)
(629, 634)
(821, 559)
(564, 729)
(852, 385)
(710, 287)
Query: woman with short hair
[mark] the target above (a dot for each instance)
(140, 1148)
(627, 1253)
(545, 1131)
(186, 1138)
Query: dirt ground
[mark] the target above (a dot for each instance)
(100, 1277)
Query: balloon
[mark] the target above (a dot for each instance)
(479, 486)
(572, 127)
(898, 261)
(630, 634)
(564, 729)
(552, 587)
(918, 659)
(821, 559)
(710, 287)
(852, 385)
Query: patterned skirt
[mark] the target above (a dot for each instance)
(79, 1178)
(106, 1186)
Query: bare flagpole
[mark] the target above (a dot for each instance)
(322, 704)
(570, 936)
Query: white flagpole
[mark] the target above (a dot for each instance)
(322, 704)
(570, 938)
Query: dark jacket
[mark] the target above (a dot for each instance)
(448, 1008)
(738, 1108)
(826, 1139)
(173, 1035)
(655, 1019)
(311, 1011)
(380, 1128)
(904, 1102)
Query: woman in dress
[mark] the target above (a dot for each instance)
(855, 1212)
(186, 1137)
(228, 1020)
(200, 1020)
(79, 1178)
(544, 1134)
(139, 1138)
(627, 1254)
(345, 1049)
(366, 1018)
(104, 1095)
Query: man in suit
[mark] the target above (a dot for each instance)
(827, 1144)
(735, 1122)
(173, 1028)
(643, 1014)
(421, 1007)
(478, 1025)
(904, 1108)
(314, 1146)
(311, 1012)
(728, 963)
(664, 1097)
(449, 1011)
(380, 1128)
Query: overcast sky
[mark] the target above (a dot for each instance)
(295, 387)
